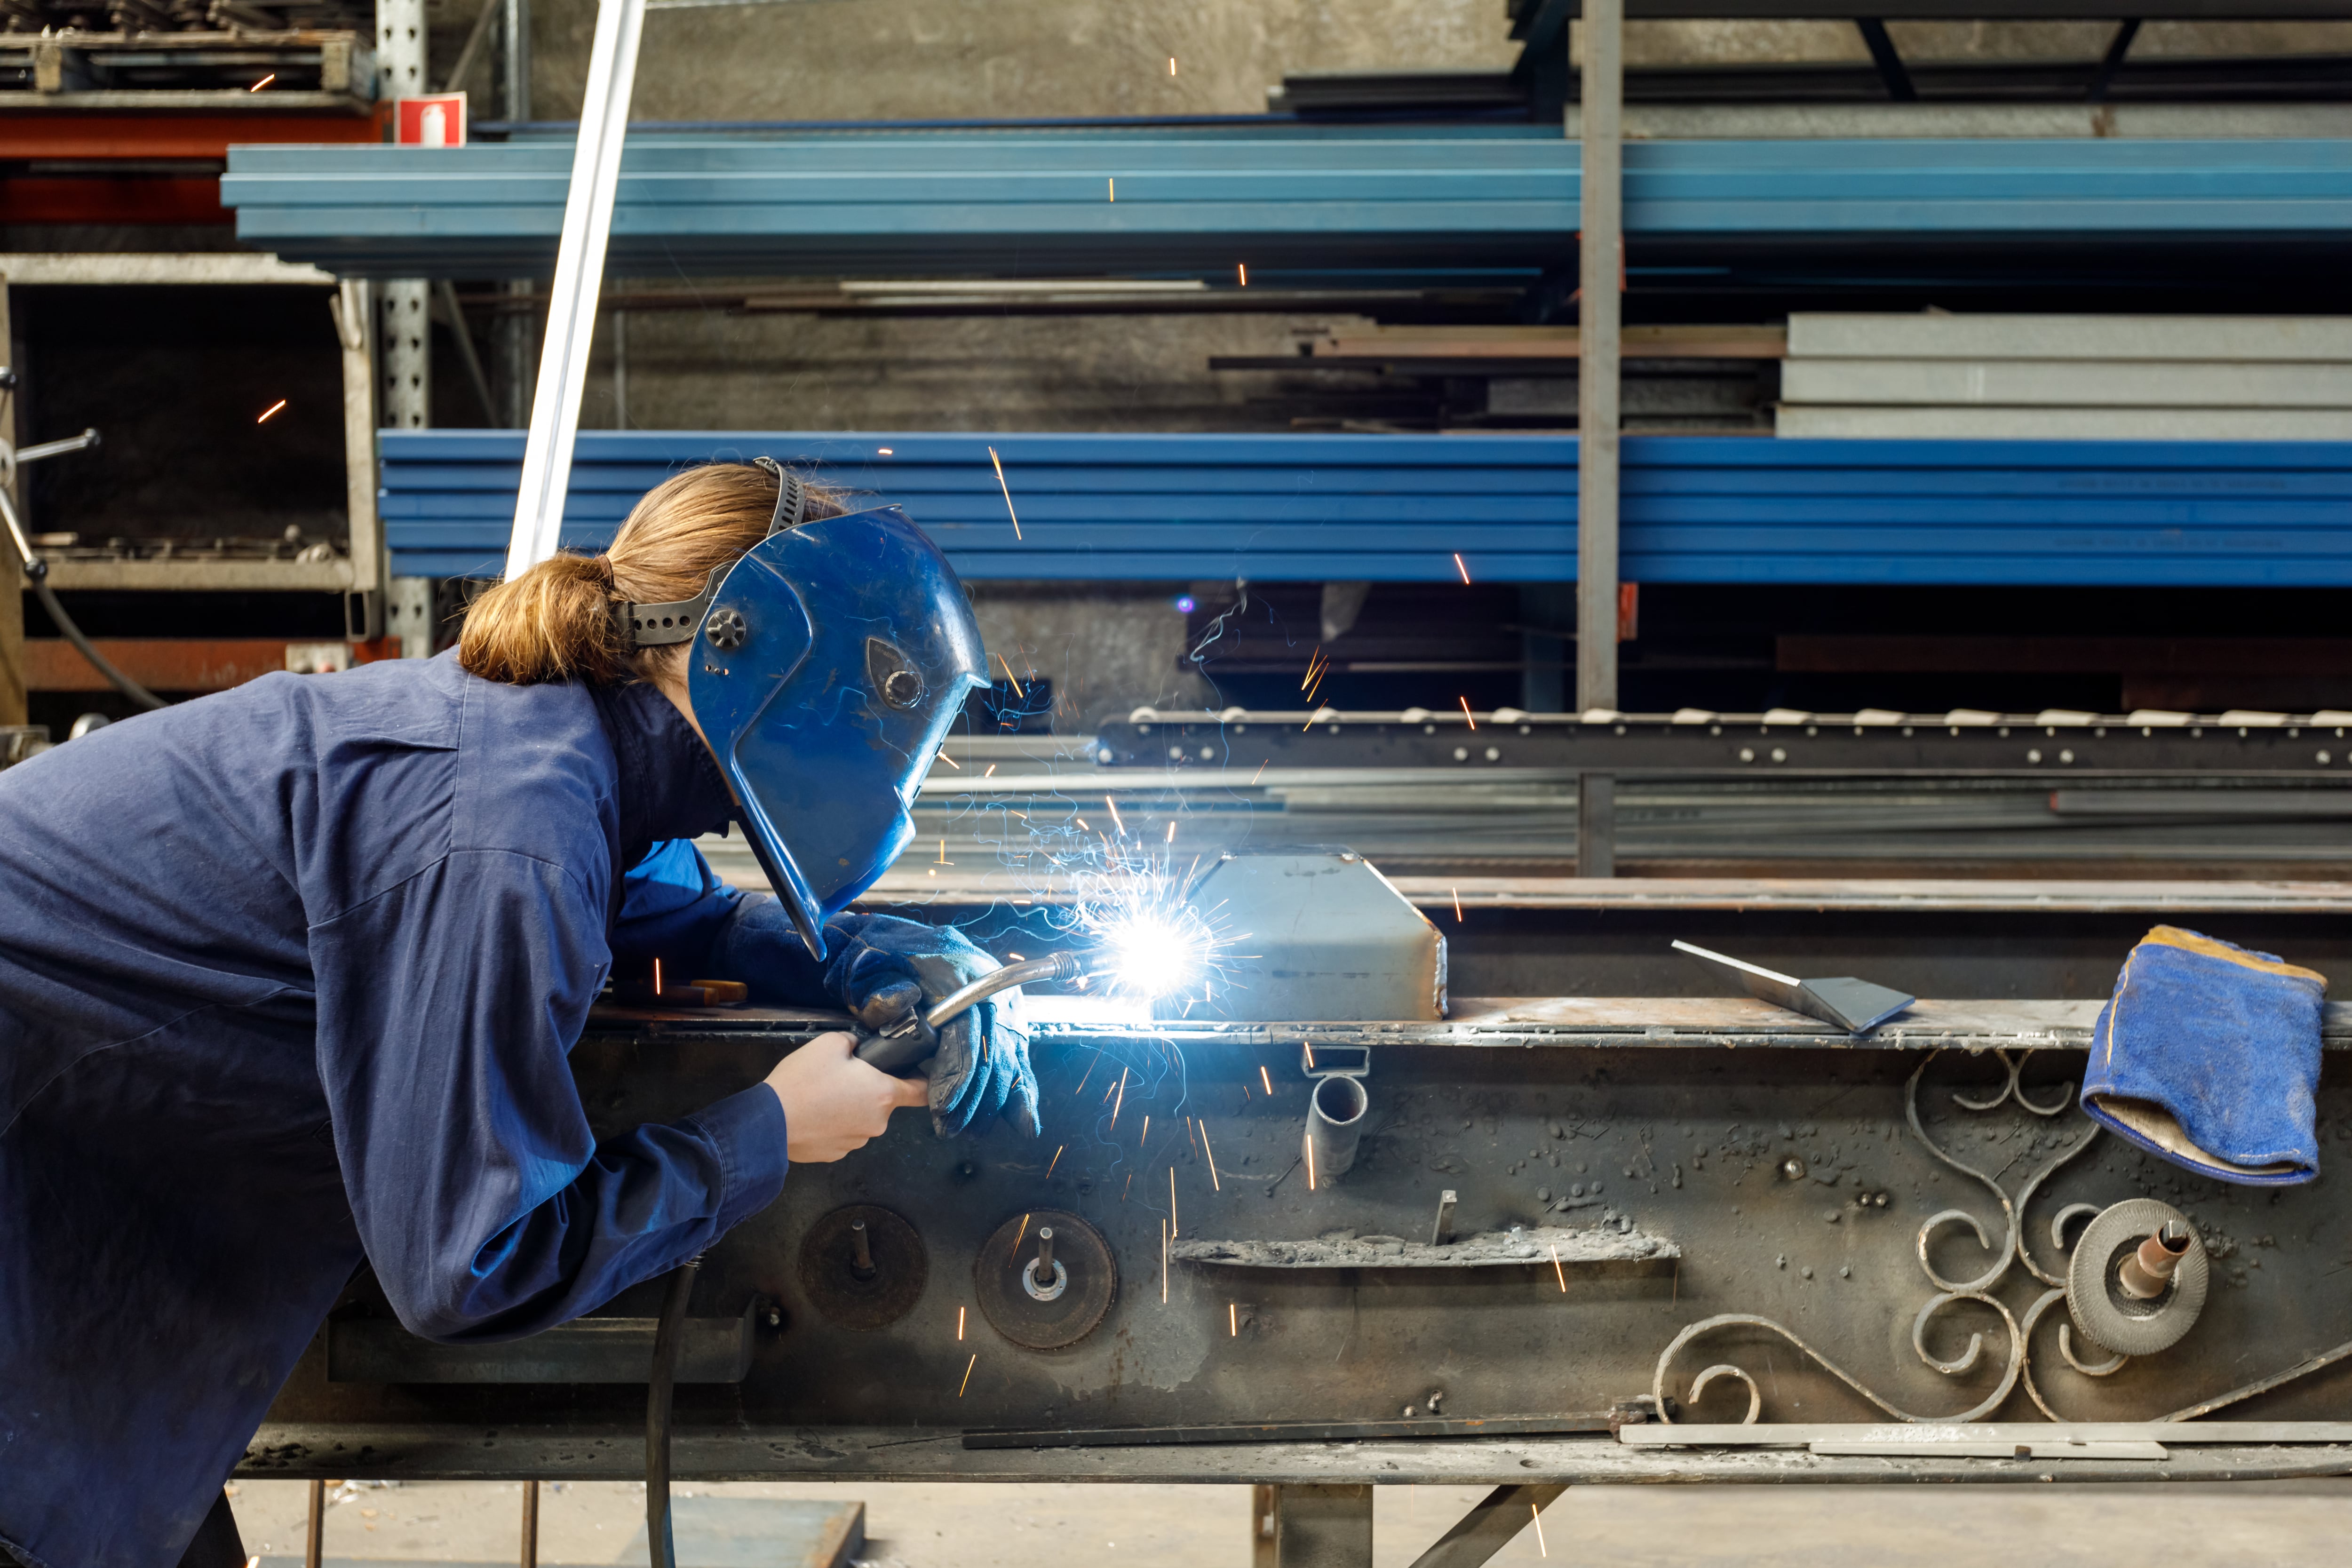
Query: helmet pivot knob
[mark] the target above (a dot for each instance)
(726, 630)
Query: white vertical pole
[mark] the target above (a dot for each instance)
(1602, 217)
(579, 277)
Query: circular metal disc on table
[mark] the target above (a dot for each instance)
(830, 1278)
(1070, 1317)
(2097, 1303)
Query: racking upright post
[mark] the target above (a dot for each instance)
(1600, 249)
(405, 328)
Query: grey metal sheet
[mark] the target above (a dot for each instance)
(1920, 334)
(2053, 382)
(1983, 122)
(1824, 422)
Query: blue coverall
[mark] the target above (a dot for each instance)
(287, 977)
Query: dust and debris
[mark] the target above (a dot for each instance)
(1615, 1243)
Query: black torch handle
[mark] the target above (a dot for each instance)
(913, 1039)
(912, 1042)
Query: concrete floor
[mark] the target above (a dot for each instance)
(930, 1526)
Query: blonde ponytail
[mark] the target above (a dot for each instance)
(555, 621)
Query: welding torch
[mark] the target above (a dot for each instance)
(914, 1038)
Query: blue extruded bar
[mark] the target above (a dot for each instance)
(1398, 508)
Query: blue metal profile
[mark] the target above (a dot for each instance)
(932, 203)
(1399, 508)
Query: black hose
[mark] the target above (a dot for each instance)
(659, 1545)
(37, 574)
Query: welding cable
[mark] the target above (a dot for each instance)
(659, 1545)
(37, 575)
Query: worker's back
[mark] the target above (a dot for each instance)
(214, 915)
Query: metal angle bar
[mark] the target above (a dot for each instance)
(1285, 1432)
(1799, 1434)
(1491, 1525)
(579, 277)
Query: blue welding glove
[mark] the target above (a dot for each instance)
(883, 968)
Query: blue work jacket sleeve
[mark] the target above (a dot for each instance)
(675, 907)
(446, 1007)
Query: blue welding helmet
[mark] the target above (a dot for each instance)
(827, 665)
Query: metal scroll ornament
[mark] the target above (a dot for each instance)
(2013, 1250)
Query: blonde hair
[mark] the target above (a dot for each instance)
(555, 621)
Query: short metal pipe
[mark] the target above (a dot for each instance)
(1335, 1125)
(861, 1251)
(2148, 1271)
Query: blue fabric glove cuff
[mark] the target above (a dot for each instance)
(2208, 1055)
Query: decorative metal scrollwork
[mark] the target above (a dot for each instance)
(2012, 1249)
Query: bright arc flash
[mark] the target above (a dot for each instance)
(1151, 953)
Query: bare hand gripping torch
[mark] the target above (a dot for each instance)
(916, 1036)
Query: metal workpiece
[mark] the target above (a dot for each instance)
(1914, 1272)
(1314, 934)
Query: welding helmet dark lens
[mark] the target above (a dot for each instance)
(834, 660)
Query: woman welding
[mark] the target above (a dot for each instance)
(289, 975)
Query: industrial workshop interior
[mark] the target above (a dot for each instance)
(1294, 783)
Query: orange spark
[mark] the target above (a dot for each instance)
(270, 410)
(967, 1375)
(1459, 567)
(1214, 1184)
(265, 81)
(1467, 714)
(1457, 906)
(1015, 516)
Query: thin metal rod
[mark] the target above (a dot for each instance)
(1490, 1526)
(579, 279)
(1601, 260)
(530, 1519)
(1887, 58)
(475, 41)
(2113, 61)
(466, 353)
(37, 577)
(314, 1543)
